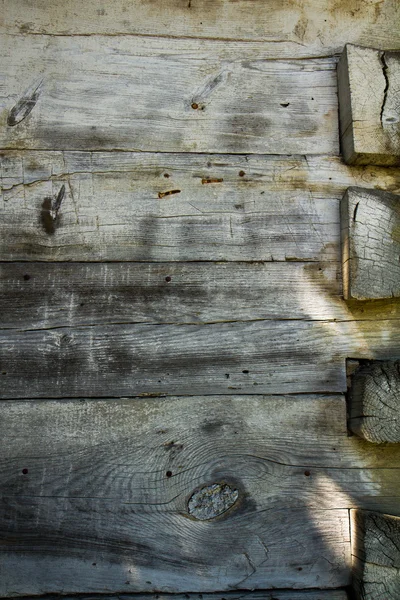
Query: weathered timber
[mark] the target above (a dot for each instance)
(278, 208)
(370, 230)
(166, 95)
(287, 28)
(369, 104)
(339, 594)
(376, 555)
(251, 357)
(374, 401)
(96, 493)
(46, 295)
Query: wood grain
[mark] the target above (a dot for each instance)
(374, 402)
(287, 27)
(376, 555)
(163, 95)
(267, 208)
(369, 106)
(370, 224)
(107, 484)
(251, 357)
(47, 295)
(339, 594)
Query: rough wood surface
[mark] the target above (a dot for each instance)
(97, 494)
(369, 83)
(370, 225)
(251, 357)
(374, 401)
(267, 208)
(163, 95)
(339, 594)
(376, 555)
(286, 27)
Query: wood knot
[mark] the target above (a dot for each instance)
(211, 501)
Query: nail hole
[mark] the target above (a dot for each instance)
(168, 279)
(169, 473)
(242, 173)
(93, 564)
(307, 473)
(245, 371)
(285, 104)
(25, 471)
(27, 277)
(227, 375)
(299, 568)
(166, 175)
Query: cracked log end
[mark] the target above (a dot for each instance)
(211, 501)
(370, 232)
(369, 106)
(375, 548)
(374, 401)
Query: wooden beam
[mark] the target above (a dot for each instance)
(374, 401)
(339, 594)
(95, 493)
(47, 295)
(251, 357)
(370, 225)
(369, 106)
(286, 28)
(376, 555)
(163, 95)
(267, 208)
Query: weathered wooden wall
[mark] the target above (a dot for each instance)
(178, 319)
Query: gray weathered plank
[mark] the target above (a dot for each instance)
(166, 95)
(374, 401)
(46, 295)
(95, 493)
(275, 207)
(370, 226)
(251, 357)
(369, 105)
(376, 555)
(287, 28)
(339, 594)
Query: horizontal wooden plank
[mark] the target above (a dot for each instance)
(339, 594)
(109, 483)
(96, 492)
(47, 295)
(266, 208)
(163, 95)
(130, 360)
(287, 27)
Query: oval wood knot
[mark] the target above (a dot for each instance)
(211, 501)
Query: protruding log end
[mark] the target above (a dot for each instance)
(370, 230)
(374, 401)
(375, 545)
(368, 80)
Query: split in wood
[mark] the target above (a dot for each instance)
(370, 230)
(374, 401)
(368, 81)
(375, 541)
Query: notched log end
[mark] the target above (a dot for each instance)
(374, 401)
(212, 501)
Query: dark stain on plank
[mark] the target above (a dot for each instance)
(24, 106)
